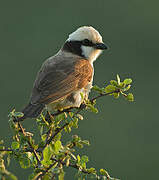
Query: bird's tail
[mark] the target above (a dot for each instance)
(32, 111)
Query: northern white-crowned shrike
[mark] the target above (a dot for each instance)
(64, 76)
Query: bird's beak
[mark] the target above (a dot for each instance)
(101, 46)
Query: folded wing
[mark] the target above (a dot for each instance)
(58, 78)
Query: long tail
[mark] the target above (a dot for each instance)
(32, 111)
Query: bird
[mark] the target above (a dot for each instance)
(64, 76)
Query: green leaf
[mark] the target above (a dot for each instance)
(2, 147)
(104, 172)
(18, 114)
(47, 153)
(24, 162)
(57, 146)
(15, 145)
(8, 159)
(127, 81)
(30, 156)
(46, 177)
(116, 95)
(75, 122)
(12, 125)
(79, 145)
(75, 138)
(130, 97)
(12, 176)
(80, 116)
(98, 89)
(92, 108)
(1, 141)
(43, 137)
(41, 128)
(86, 142)
(84, 158)
(114, 83)
(118, 79)
(60, 117)
(126, 88)
(122, 85)
(67, 129)
(78, 158)
(58, 136)
(110, 88)
(91, 170)
(61, 175)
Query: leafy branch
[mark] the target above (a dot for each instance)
(49, 155)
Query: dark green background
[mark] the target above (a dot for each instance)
(124, 136)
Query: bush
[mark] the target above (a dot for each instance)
(49, 156)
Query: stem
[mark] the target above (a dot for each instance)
(44, 172)
(53, 135)
(32, 148)
(83, 105)
(71, 165)
(105, 94)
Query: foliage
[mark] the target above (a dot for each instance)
(51, 154)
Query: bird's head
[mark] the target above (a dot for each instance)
(85, 42)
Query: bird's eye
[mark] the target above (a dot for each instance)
(86, 42)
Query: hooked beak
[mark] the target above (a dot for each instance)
(101, 46)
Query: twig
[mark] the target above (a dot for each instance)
(75, 166)
(71, 165)
(15, 150)
(53, 135)
(44, 172)
(104, 94)
(64, 164)
(7, 150)
(65, 110)
(32, 148)
(83, 105)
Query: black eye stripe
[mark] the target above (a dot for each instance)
(84, 42)
(87, 42)
(75, 46)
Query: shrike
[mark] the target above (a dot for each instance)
(64, 76)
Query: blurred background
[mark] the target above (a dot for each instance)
(124, 136)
